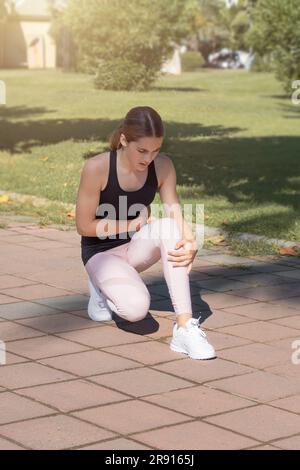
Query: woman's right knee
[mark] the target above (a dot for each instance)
(132, 299)
(134, 309)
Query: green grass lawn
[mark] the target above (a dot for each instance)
(233, 136)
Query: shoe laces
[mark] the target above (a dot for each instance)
(101, 300)
(195, 327)
(102, 303)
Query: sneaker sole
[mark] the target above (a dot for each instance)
(100, 319)
(180, 350)
(106, 316)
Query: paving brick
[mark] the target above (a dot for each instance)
(14, 359)
(288, 369)
(223, 285)
(54, 432)
(66, 303)
(8, 445)
(7, 281)
(289, 404)
(199, 401)
(223, 341)
(116, 444)
(266, 447)
(24, 309)
(261, 311)
(58, 323)
(203, 371)
(36, 291)
(131, 416)
(89, 363)
(17, 408)
(290, 274)
(195, 435)
(10, 331)
(259, 331)
(261, 386)
(141, 382)
(72, 395)
(103, 336)
(261, 422)
(292, 443)
(291, 322)
(292, 302)
(264, 279)
(220, 300)
(220, 319)
(151, 352)
(255, 355)
(29, 374)
(5, 300)
(45, 346)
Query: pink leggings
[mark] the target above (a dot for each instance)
(115, 271)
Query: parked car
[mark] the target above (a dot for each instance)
(230, 59)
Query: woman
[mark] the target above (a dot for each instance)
(117, 244)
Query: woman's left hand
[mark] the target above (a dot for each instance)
(185, 256)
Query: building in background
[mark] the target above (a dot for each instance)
(25, 40)
(24, 37)
(173, 65)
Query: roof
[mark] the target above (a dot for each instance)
(34, 8)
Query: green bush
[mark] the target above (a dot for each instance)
(123, 74)
(276, 31)
(263, 64)
(191, 61)
(132, 39)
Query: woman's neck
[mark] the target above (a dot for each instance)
(124, 161)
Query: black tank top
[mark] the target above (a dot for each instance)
(121, 202)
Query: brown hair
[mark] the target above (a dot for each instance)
(139, 122)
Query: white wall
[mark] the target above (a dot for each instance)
(41, 48)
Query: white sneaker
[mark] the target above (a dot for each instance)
(98, 309)
(190, 339)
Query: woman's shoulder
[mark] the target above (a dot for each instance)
(163, 162)
(98, 166)
(163, 166)
(100, 159)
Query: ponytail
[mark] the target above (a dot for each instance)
(114, 140)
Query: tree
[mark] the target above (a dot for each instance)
(211, 32)
(66, 54)
(141, 32)
(238, 20)
(221, 26)
(276, 32)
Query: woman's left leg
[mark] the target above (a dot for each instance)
(151, 244)
(145, 248)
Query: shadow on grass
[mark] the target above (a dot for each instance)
(23, 136)
(276, 220)
(213, 161)
(284, 97)
(179, 89)
(293, 109)
(18, 112)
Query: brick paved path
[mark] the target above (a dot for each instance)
(69, 382)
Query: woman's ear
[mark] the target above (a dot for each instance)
(123, 140)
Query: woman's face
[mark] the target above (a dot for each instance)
(142, 152)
